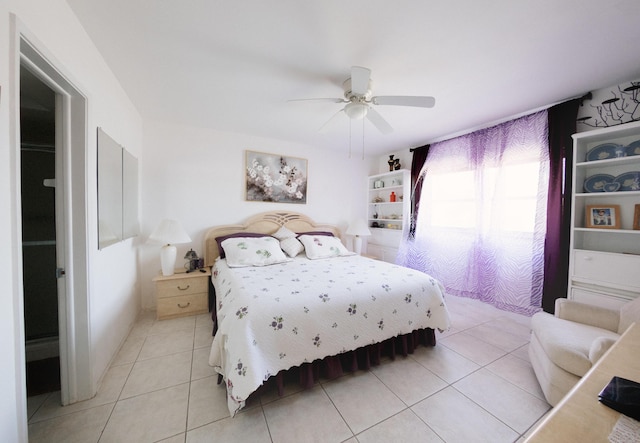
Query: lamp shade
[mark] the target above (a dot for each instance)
(169, 232)
(358, 227)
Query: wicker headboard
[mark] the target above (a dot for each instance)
(264, 223)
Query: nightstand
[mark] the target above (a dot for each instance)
(182, 294)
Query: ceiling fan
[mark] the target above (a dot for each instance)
(360, 101)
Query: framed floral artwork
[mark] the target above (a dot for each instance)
(275, 178)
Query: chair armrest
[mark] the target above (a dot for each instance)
(587, 314)
(599, 346)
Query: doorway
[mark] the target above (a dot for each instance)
(38, 178)
(71, 233)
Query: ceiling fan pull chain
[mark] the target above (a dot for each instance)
(362, 139)
(350, 138)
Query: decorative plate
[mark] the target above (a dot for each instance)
(596, 182)
(629, 181)
(633, 148)
(605, 151)
(611, 187)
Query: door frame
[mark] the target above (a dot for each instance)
(71, 216)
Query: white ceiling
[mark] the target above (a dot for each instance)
(232, 65)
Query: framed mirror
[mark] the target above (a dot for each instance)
(117, 192)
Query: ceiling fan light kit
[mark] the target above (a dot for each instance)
(356, 110)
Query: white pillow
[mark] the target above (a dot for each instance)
(323, 246)
(283, 233)
(291, 246)
(253, 251)
(288, 241)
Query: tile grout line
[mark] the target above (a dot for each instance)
(115, 404)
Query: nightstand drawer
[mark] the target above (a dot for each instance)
(182, 305)
(181, 286)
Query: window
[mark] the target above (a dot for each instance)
(451, 200)
(482, 218)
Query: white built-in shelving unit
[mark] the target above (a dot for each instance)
(604, 267)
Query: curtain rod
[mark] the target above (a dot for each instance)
(503, 120)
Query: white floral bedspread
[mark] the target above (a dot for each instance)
(276, 317)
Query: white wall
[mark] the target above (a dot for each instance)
(196, 176)
(113, 302)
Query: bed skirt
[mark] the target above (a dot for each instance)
(362, 358)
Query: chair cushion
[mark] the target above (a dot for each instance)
(567, 343)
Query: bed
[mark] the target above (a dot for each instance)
(332, 312)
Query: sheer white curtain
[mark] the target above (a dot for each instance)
(482, 219)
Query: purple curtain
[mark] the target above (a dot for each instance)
(419, 157)
(482, 222)
(562, 123)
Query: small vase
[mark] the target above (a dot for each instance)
(391, 162)
(396, 164)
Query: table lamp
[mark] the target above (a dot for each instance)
(359, 229)
(168, 233)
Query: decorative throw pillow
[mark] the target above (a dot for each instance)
(253, 251)
(323, 246)
(288, 241)
(291, 246)
(284, 233)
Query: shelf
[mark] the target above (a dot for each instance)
(608, 194)
(608, 134)
(399, 172)
(629, 160)
(386, 188)
(609, 231)
(387, 203)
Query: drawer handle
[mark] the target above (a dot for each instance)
(185, 306)
(183, 289)
(587, 258)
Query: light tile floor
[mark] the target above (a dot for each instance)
(475, 385)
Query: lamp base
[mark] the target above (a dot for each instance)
(357, 244)
(168, 259)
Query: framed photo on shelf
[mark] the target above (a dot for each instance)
(603, 216)
(636, 218)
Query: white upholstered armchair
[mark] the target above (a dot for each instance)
(564, 346)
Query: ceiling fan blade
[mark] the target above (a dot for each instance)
(329, 100)
(325, 127)
(360, 80)
(379, 122)
(405, 100)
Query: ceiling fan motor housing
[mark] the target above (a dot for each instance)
(357, 107)
(351, 96)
